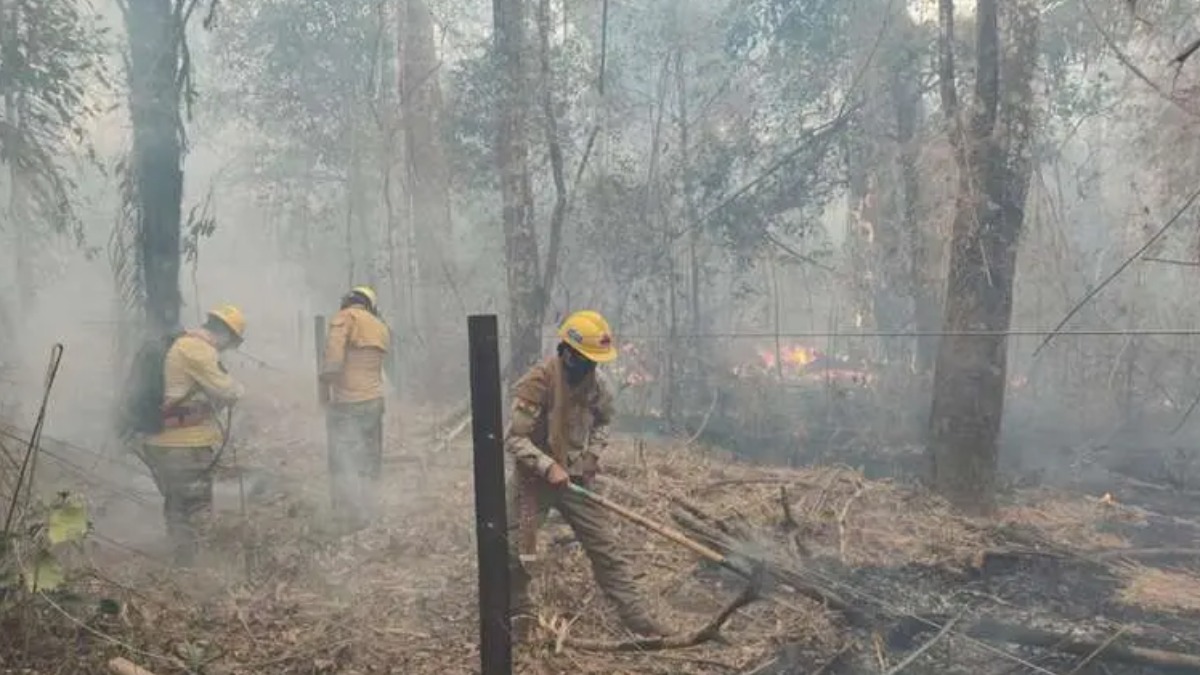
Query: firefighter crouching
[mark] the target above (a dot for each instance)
(356, 351)
(182, 454)
(560, 417)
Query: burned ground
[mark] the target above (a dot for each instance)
(280, 593)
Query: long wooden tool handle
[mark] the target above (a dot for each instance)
(657, 528)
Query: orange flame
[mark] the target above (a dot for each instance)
(792, 355)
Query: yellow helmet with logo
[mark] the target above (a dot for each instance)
(232, 318)
(368, 293)
(588, 333)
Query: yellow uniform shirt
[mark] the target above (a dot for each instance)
(193, 367)
(357, 343)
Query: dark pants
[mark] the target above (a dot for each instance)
(184, 479)
(590, 524)
(355, 459)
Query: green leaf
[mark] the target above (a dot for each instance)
(68, 521)
(46, 574)
(109, 606)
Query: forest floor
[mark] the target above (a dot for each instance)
(279, 592)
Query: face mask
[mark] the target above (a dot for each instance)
(576, 366)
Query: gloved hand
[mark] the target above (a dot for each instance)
(556, 476)
(586, 467)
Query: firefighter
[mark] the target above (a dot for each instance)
(561, 412)
(181, 456)
(356, 352)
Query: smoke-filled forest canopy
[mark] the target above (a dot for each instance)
(874, 270)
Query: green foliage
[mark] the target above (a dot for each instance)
(299, 69)
(51, 66)
(31, 556)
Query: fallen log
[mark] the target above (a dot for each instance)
(120, 666)
(995, 631)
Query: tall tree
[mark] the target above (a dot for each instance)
(991, 141)
(50, 56)
(428, 179)
(158, 83)
(512, 156)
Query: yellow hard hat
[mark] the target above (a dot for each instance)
(588, 333)
(368, 293)
(232, 317)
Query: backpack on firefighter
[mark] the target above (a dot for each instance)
(141, 397)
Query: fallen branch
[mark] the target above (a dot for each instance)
(908, 660)
(706, 633)
(1147, 553)
(995, 631)
(775, 569)
(120, 666)
(1104, 645)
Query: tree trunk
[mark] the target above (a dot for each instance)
(520, 239)
(994, 166)
(155, 32)
(428, 184)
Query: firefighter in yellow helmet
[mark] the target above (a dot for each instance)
(182, 454)
(561, 413)
(356, 353)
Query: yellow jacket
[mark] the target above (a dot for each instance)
(192, 375)
(355, 348)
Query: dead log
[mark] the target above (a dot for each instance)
(120, 666)
(706, 633)
(995, 631)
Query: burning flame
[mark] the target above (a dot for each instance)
(792, 355)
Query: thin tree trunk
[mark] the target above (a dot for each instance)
(550, 124)
(696, 351)
(994, 167)
(155, 28)
(520, 240)
(429, 185)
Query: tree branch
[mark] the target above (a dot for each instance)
(706, 633)
(1120, 268)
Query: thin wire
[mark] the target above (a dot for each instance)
(1099, 332)
(105, 636)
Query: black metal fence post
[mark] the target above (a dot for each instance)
(495, 642)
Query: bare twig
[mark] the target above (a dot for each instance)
(908, 660)
(834, 660)
(29, 462)
(841, 521)
(704, 422)
(1186, 53)
(1128, 63)
(1120, 268)
(706, 633)
(1100, 649)
(1170, 261)
(120, 666)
